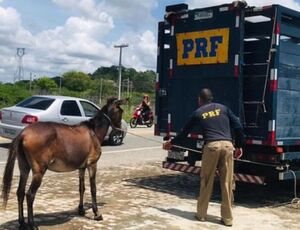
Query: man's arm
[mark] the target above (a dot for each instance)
(183, 133)
(186, 128)
(237, 127)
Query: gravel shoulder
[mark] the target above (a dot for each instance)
(145, 196)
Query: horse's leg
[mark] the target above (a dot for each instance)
(81, 210)
(37, 177)
(92, 174)
(24, 172)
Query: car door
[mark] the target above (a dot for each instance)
(89, 109)
(70, 113)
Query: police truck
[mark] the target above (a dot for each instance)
(250, 58)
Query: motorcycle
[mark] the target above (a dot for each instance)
(138, 118)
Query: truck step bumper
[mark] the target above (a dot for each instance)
(197, 169)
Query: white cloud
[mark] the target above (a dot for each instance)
(11, 31)
(141, 53)
(80, 43)
(74, 45)
(12, 36)
(135, 13)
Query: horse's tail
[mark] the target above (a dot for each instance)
(9, 169)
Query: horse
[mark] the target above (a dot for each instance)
(59, 148)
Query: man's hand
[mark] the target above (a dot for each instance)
(238, 153)
(167, 145)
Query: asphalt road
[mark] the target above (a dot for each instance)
(140, 145)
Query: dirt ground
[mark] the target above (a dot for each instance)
(149, 197)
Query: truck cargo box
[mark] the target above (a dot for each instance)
(250, 58)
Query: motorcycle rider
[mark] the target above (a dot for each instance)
(145, 107)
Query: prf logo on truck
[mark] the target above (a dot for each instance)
(203, 47)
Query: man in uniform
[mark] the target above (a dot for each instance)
(216, 121)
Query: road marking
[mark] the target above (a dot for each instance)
(130, 150)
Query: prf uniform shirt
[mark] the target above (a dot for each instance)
(216, 121)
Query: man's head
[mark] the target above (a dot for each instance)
(205, 96)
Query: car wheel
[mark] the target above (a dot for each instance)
(116, 137)
(133, 122)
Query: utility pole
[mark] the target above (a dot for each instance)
(120, 67)
(30, 82)
(100, 92)
(128, 87)
(60, 85)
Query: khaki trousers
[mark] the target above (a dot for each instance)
(216, 154)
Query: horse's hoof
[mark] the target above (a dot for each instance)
(81, 212)
(98, 217)
(22, 225)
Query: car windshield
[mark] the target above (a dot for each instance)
(41, 103)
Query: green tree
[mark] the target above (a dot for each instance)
(76, 81)
(108, 73)
(11, 94)
(46, 85)
(143, 82)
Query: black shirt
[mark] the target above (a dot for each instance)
(216, 121)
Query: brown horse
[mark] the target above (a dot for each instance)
(59, 148)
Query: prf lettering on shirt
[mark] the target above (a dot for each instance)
(203, 47)
(210, 114)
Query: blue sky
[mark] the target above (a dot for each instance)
(63, 35)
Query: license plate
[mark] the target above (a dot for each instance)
(176, 155)
(200, 15)
(200, 144)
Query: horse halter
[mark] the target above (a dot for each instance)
(108, 118)
(110, 123)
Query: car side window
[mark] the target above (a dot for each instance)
(70, 108)
(89, 109)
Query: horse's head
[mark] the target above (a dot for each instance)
(113, 110)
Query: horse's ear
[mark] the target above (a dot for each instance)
(111, 100)
(121, 102)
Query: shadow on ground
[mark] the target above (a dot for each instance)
(248, 195)
(50, 219)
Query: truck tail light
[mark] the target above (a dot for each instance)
(29, 119)
(0, 115)
(279, 150)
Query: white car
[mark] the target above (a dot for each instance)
(61, 109)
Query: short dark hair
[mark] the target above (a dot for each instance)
(206, 95)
